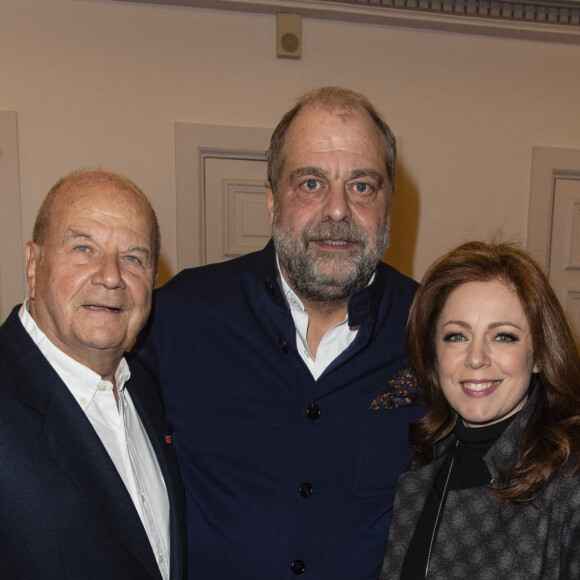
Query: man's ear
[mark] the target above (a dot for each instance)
(32, 256)
(270, 201)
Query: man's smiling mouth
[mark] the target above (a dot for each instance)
(99, 307)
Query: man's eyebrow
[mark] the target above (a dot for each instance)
(74, 234)
(302, 171)
(364, 172)
(354, 174)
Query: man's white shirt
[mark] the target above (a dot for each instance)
(121, 432)
(335, 341)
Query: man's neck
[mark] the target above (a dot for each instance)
(321, 318)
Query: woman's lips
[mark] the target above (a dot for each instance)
(479, 388)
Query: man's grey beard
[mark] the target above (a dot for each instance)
(350, 271)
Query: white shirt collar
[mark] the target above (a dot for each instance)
(80, 380)
(335, 341)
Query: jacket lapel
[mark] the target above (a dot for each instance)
(70, 439)
(149, 406)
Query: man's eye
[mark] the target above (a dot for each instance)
(362, 187)
(311, 184)
(82, 249)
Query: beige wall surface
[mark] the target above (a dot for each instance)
(99, 83)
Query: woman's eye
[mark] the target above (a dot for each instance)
(453, 337)
(506, 337)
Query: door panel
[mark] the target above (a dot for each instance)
(194, 145)
(236, 218)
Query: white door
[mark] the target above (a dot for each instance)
(554, 224)
(236, 217)
(564, 267)
(220, 173)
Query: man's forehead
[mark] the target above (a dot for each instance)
(77, 207)
(324, 132)
(90, 196)
(316, 123)
(334, 112)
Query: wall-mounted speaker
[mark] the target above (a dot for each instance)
(289, 36)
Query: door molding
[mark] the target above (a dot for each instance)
(194, 144)
(548, 165)
(12, 275)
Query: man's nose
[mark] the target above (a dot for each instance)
(337, 203)
(108, 272)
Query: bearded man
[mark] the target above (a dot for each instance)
(271, 364)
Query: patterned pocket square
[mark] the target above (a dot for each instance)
(402, 391)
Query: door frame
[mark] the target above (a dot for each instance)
(12, 274)
(194, 143)
(548, 165)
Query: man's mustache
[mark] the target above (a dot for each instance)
(344, 231)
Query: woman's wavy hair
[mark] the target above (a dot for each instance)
(550, 444)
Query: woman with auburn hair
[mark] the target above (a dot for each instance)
(494, 489)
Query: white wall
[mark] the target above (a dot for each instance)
(98, 83)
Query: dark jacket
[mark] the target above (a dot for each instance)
(284, 474)
(64, 509)
(526, 543)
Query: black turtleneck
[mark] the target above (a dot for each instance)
(464, 467)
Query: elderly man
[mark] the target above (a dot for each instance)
(90, 486)
(271, 364)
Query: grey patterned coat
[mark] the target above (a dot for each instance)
(473, 542)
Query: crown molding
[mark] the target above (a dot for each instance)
(553, 21)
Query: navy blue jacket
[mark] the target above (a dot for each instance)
(64, 509)
(284, 474)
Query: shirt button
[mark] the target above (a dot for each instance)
(298, 567)
(313, 412)
(142, 498)
(102, 387)
(160, 558)
(305, 490)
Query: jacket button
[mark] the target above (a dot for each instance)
(283, 345)
(298, 567)
(305, 490)
(313, 412)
